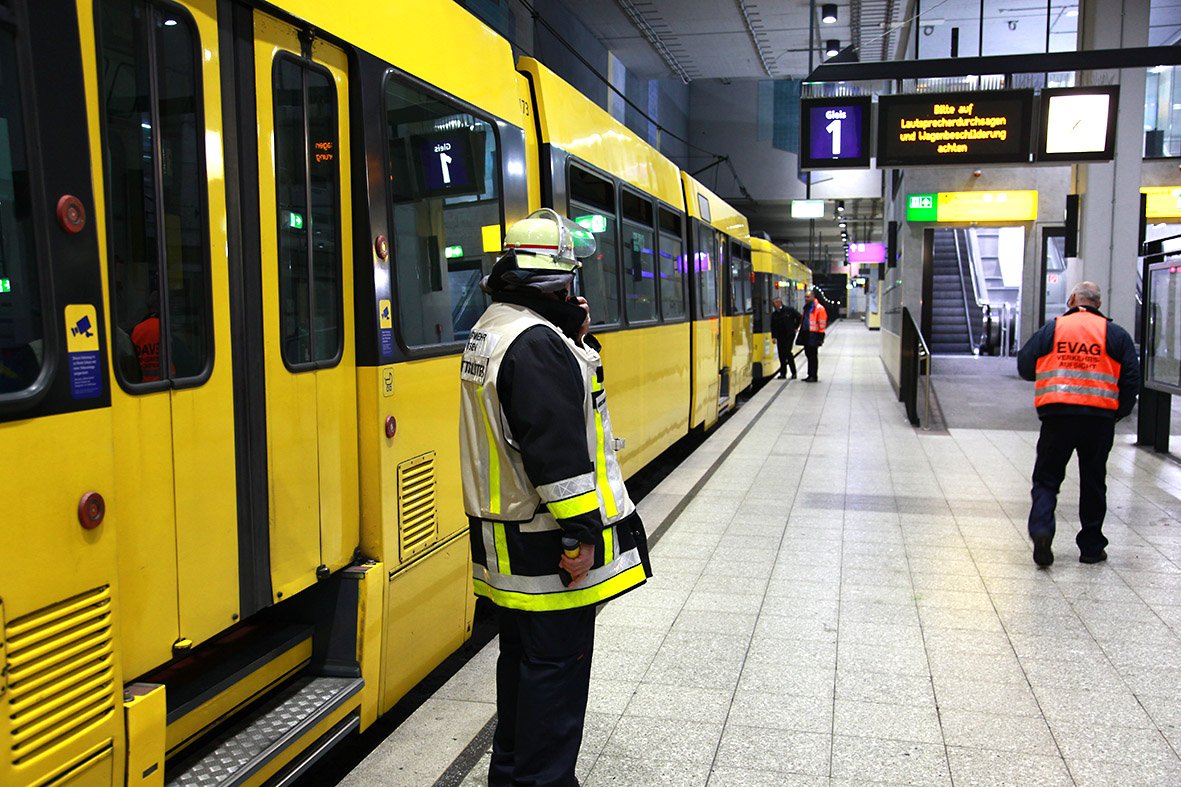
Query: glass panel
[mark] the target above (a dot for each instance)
(323, 165)
(444, 193)
(155, 184)
(1164, 355)
(705, 261)
(939, 23)
(598, 278)
(1062, 274)
(639, 273)
(22, 326)
(672, 276)
(292, 211)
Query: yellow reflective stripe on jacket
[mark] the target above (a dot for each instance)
(573, 506)
(493, 458)
(609, 506)
(498, 535)
(608, 544)
(566, 599)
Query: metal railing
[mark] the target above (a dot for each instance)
(916, 363)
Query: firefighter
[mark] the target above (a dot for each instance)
(1086, 376)
(553, 531)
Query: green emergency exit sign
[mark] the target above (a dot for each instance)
(5, 285)
(922, 207)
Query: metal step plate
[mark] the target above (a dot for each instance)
(277, 724)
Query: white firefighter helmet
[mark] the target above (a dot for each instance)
(547, 241)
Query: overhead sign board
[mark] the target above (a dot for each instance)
(1078, 124)
(835, 132)
(807, 208)
(867, 253)
(982, 127)
(972, 206)
(1164, 202)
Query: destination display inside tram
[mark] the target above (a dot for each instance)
(982, 127)
(835, 132)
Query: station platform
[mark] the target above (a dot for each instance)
(841, 598)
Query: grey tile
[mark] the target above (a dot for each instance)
(899, 660)
(663, 739)
(762, 708)
(993, 731)
(776, 680)
(688, 703)
(610, 696)
(1080, 741)
(1012, 699)
(884, 687)
(761, 748)
(631, 771)
(748, 777)
(1093, 773)
(707, 622)
(894, 722)
(990, 768)
(860, 760)
(1093, 708)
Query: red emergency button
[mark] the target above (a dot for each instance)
(71, 215)
(391, 426)
(91, 510)
(381, 246)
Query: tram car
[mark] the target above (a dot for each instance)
(240, 248)
(777, 274)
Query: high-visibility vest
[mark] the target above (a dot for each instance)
(1078, 370)
(817, 318)
(516, 539)
(146, 338)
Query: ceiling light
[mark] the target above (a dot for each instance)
(832, 47)
(828, 13)
(841, 225)
(1072, 12)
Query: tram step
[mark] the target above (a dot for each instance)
(289, 718)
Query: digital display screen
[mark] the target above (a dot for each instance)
(867, 253)
(807, 208)
(1078, 124)
(1164, 340)
(449, 163)
(835, 132)
(984, 127)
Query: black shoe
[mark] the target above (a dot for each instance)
(1042, 554)
(781, 377)
(793, 375)
(1098, 557)
(811, 380)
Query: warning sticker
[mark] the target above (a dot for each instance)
(385, 318)
(86, 380)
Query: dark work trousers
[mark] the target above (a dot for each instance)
(787, 359)
(542, 681)
(1062, 435)
(810, 352)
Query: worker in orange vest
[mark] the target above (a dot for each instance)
(812, 327)
(1086, 376)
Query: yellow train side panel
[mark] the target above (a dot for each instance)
(533, 177)
(438, 42)
(705, 371)
(726, 353)
(722, 215)
(567, 117)
(741, 353)
(647, 382)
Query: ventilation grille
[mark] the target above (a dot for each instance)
(418, 521)
(60, 677)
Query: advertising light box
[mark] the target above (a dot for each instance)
(972, 206)
(1078, 124)
(867, 253)
(834, 132)
(983, 127)
(1164, 202)
(807, 208)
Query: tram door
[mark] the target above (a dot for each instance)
(707, 330)
(307, 296)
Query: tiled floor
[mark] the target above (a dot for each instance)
(849, 600)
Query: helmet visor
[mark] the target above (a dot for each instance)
(582, 239)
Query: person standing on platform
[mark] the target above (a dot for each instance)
(1086, 377)
(814, 321)
(553, 531)
(784, 322)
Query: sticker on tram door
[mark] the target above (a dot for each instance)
(386, 318)
(86, 381)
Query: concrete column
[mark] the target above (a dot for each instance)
(1109, 230)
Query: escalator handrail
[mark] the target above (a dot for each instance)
(959, 269)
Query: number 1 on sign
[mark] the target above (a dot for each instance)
(834, 128)
(444, 160)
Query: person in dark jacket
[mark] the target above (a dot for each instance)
(1087, 376)
(785, 320)
(814, 321)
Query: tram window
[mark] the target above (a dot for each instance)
(444, 183)
(592, 201)
(307, 209)
(672, 266)
(639, 258)
(742, 290)
(155, 193)
(22, 324)
(705, 263)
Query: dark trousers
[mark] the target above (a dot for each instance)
(1062, 435)
(787, 359)
(810, 352)
(542, 681)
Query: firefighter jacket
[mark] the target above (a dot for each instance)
(1081, 364)
(538, 463)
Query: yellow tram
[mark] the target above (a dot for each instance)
(240, 247)
(777, 274)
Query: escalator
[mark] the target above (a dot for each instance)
(955, 314)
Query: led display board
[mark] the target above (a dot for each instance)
(807, 208)
(867, 253)
(983, 127)
(834, 132)
(449, 162)
(1078, 124)
(1164, 202)
(972, 206)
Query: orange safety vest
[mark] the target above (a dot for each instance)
(146, 338)
(817, 318)
(1078, 370)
